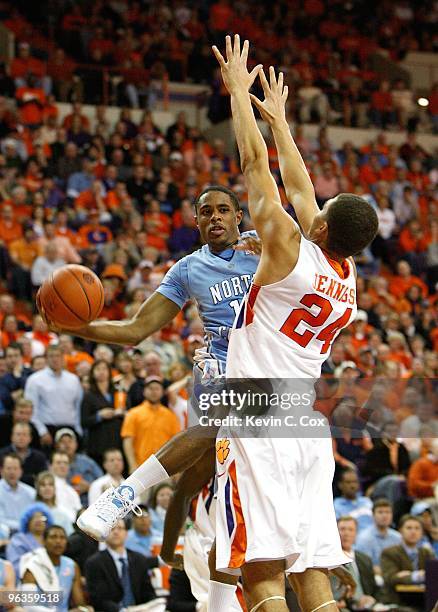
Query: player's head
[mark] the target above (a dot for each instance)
(218, 215)
(345, 225)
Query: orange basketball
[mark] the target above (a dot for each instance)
(72, 297)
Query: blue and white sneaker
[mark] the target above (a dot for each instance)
(102, 516)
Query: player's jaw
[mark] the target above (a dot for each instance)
(219, 230)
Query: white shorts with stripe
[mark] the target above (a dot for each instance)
(275, 502)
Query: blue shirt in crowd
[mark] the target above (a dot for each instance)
(13, 502)
(371, 542)
(360, 508)
(139, 543)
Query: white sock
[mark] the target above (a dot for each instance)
(220, 596)
(150, 473)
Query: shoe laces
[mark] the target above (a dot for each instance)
(110, 512)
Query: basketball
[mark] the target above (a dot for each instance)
(72, 296)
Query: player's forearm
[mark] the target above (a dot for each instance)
(112, 332)
(293, 170)
(298, 186)
(252, 147)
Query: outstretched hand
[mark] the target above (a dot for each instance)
(249, 243)
(234, 70)
(273, 107)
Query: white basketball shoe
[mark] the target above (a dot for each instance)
(113, 505)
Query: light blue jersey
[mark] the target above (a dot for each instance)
(218, 283)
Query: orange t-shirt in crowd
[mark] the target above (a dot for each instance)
(71, 360)
(399, 286)
(89, 235)
(8, 337)
(32, 100)
(410, 244)
(24, 252)
(150, 426)
(10, 231)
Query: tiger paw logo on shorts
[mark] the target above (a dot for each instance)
(222, 450)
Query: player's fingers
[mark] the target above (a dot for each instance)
(280, 82)
(253, 74)
(228, 47)
(236, 49)
(218, 56)
(264, 82)
(272, 79)
(245, 51)
(285, 93)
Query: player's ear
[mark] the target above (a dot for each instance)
(239, 216)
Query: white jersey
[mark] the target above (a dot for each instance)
(286, 329)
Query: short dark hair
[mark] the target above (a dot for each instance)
(381, 503)
(10, 455)
(347, 518)
(409, 517)
(15, 346)
(108, 451)
(352, 224)
(225, 190)
(51, 528)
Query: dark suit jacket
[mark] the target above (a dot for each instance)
(393, 560)
(101, 434)
(104, 585)
(366, 573)
(180, 597)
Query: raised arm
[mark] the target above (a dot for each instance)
(269, 218)
(296, 179)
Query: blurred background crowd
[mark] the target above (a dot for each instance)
(117, 197)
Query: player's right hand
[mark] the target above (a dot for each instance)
(273, 107)
(43, 314)
(177, 561)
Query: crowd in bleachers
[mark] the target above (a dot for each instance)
(89, 51)
(118, 198)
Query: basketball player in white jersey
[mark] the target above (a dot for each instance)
(275, 507)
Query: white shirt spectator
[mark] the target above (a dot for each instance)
(42, 268)
(387, 222)
(56, 399)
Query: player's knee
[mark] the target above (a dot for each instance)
(262, 581)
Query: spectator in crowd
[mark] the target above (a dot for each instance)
(114, 465)
(56, 396)
(140, 535)
(49, 569)
(118, 577)
(46, 493)
(67, 498)
(423, 474)
(351, 503)
(380, 535)
(83, 470)
(406, 562)
(159, 505)
(99, 416)
(12, 383)
(45, 265)
(15, 496)
(32, 461)
(388, 457)
(366, 593)
(23, 252)
(21, 413)
(33, 523)
(147, 426)
(427, 511)
(80, 546)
